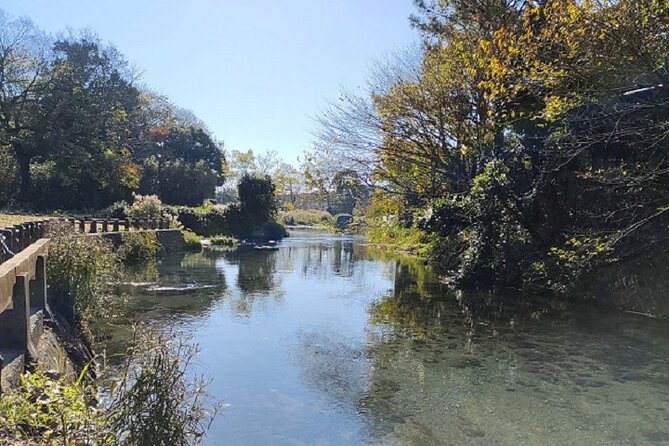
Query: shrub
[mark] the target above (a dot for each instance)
(138, 247)
(149, 401)
(191, 241)
(115, 210)
(82, 271)
(205, 220)
(54, 411)
(224, 240)
(257, 198)
(145, 206)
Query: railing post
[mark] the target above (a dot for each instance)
(105, 226)
(82, 226)
(115, 227)
(94, 226)
(15, 323)
(18, 238)
(8, 238)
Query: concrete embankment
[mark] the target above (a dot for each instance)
(31, 335)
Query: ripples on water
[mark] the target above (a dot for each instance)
(324, 343)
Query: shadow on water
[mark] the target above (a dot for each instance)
(326, 342)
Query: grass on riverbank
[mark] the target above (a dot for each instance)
(7, 219)
(306, 217)
(394, 239)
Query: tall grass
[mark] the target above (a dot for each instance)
(82, 273)
(306, 217)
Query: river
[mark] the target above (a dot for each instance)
(323, 342)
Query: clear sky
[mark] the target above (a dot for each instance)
(256, 71)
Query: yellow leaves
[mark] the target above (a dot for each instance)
(120, 114)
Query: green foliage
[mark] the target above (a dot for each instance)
(55, 411)
(223, 240)
(8, 176)
(78, 134)
(118, 209)
(527, 144)
(138, 247)
(182, 166)
(149, 401)
(82, 271)
(191, 240)
(257, 199)
(394, 238)
(206, 220)
(306, 217)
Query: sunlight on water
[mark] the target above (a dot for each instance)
(322, 343)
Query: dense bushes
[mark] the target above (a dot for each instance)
(145, 206)
(192, 241)
(223, 240)
(82, 272)
(206, 220)
(527, 145)
(251, 217)
(138, 247)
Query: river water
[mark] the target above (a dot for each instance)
(323, 342)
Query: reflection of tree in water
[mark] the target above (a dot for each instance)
(256, 276)
(256, 272)
(333, 258)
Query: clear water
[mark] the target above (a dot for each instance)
(323, 343)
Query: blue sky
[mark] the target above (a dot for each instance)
(256, 71)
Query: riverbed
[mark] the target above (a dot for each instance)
(325, 342)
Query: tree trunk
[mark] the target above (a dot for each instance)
(25, 190)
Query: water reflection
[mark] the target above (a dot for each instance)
(326, 342)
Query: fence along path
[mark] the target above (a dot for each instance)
(14, 239)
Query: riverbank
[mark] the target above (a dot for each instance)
(84, 271)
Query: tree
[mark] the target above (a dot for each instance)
(290, 183)
(257, 198)
(85, 126)
(183, 165)
(528, 139)
(23, 67)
